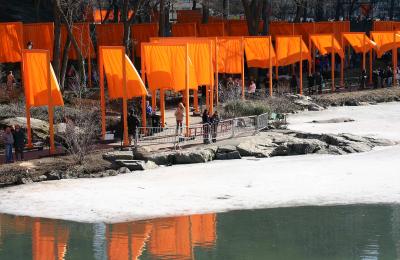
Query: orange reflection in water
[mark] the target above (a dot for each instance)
(162, 238)
(49, 240)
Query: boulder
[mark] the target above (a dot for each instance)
(110, 173)
(334, 120)
(193, 156)
(252, 149)
(53, 176)
(118, 155)
(134, 165)
(226, 149)
(228, 156)
(40, 129)
(124, 170)
(304, 147)
(24, 180)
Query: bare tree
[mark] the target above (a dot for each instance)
(252, 11)
(206, 11)
(80, 133)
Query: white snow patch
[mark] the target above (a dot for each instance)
(221, 186)
(382, 121)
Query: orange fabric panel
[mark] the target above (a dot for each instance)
(304, 29)
(188, 16)
(212, 29)
(118, 241)
(184, 30)
(203, 230)
(257, 52)
(383, 26)
(323, 42)
(230, 54)
(356, 40)
(200, 55)
(288, 50)
(112, 62)
(171, 237)
(165, 67)
(324, 27)
(385, 41)
(81, 34)
(139, 235)
(99, 15)
(111, 34)
(240, 28)
(36, 72)
(41, 35)
(281, 28)
(11, 42)
(142, 33)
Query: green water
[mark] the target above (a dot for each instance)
(340, 232)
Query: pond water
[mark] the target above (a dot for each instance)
(334, 232)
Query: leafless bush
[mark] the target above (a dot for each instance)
(80, 133)
(229, 91)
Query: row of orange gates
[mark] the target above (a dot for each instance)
(179, 64)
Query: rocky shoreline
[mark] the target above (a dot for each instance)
(269, 143)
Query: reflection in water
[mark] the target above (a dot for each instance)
(340, 232)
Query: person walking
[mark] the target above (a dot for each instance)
(19, 142)
(363, 79)
(319, 81)
(214, 126)
(206, 127)
(293, 84)
(10, 81)
(8, 141)
(311, 84)
(133, 124)
(179, 115)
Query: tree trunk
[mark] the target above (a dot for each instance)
(391, 9)
(127, 26)
(319, 11)
(81, 60)
(299, 11)
(305, 11)
(206, 11)
(57, 43)
(161, 25)
(194, 4)
(267, 8)
(225, 9)
(338, 9)
(252, 12)
(64, 63)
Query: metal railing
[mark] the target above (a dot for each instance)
(201, 133)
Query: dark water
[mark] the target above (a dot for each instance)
(340, 232)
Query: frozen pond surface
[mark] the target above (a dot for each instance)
(221, 186)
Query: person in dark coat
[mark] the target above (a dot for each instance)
(311, 84)
(206, 127)
(19, 142)
(133, 124)
(318, 82)
(363, 79)
(214, 126)
(293, 84)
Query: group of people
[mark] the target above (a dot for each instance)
(384, 77)
(210, 126)
(315, 83)
(14, 137)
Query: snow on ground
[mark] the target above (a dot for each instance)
(381, 121)
(221, 186)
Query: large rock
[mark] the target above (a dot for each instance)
(134, 165)
(253, 149)
(194, 156)
(40, 129)
(334, 120)
(228, 156)
(118, 155)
